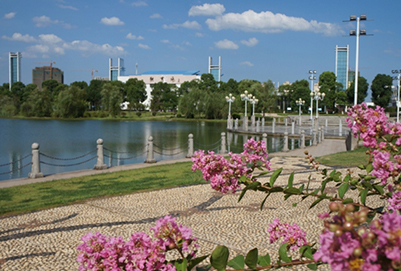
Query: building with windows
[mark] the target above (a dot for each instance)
(215, 70)
(342, 66)
(153, 77)
(40, 74)
(14, 69)
(116, 71)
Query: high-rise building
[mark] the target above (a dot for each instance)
(14, 70)
(40, 74)
(215, 70)
(116, 71)
(342, 63)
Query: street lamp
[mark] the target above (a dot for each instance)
(230, 99)
(246, 97)
(253, 101)
(311, 77)
(317, 95)
(356, 33)
(300, 103)
(284, 98)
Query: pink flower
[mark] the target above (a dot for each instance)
(291, 234)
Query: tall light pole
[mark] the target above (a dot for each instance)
(285, 93)
(245, 97)
(357, 33)
(300, 103)
(253, 101)
(230, 99)
(317, 95)
(311, 77)
(398, 77)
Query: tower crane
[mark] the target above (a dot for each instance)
(51, 67)
(91, 71)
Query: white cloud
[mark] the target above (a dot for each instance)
(20, 37)
(143, 46)
(165, 41)
(43, 21)
(111, 21)
(207, 10)
(251, 42)
(156, 16)
(187, 24)
(50, 38)
(68, 7)
(139, 4)
(226, 44)
(268, 22)
(247, 63)
(133, 37)
(200, 35)
(9, 15)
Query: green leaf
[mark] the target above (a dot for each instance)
(283, 253)
(367, 185)
(306, 251)
(204, 268)
(194, 262)
(219, 258)
(315, 202)
(323, 185)
(302, 187)
(181, 264)
(237, 263)
(347, 178)
(363, 195)
(294, 204)
(251, 259)
(292, 191)
(348, 200)
(342, 190)
(252, 186)
(264, 200)
(378, 188)
(369, 168)
(276, 189)
(291, 179)
(274, 176)
(264, 260)
(312, 266)
(361, 167)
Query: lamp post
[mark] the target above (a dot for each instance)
(285, 93)
(300, 103)
(317, 95)
(230, 99)
(246, 97)
(253, 101)
(311, 77)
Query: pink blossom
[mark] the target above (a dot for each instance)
(291, 234)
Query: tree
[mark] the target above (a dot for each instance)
(81, 84)
(71, 103)
(381, 90)
(136, 93)
(192, 104)
(230, 87)
(17, 91)
(208, 83)
(93, 94)
(111, 98)
(50, 85)
(329, 86)
(301, 91)
(162, 98)
(38, 104)
(267, 97)
(363, 87)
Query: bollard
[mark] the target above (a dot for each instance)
(293, 127)
(223, 143)
(264, 138)
(100, 157)
(190, 146)
(285, 148)
(303, 139)
(236, 124)
(35, 170)
(340, 133)
(274, 125)
(150, 157)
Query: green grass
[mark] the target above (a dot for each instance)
(346, 159)
(38, 196)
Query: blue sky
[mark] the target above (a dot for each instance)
(261, 40)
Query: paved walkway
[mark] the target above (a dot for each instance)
(47, 240)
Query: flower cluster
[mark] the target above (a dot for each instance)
(140, 252)
(347, 243)
(224, 174)
(382, 137)
(293, 235)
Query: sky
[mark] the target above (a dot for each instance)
(279, 40)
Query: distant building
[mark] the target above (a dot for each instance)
(40, 74)
(215, 70)
(101, 78)
(342, 63)
(14, 69)
(153, 77)
(116, 71)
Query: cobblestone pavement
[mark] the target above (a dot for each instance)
(47, 240)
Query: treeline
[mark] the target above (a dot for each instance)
(204, 98)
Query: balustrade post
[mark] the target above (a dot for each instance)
(264, 138)
(340, 130)
(223, 143)
(150, 157)
(258, 125)
(245, 123)
(100, 156)
(236, 124)
(326, 124)
(285, 148)
(274, 126)
(303, 139)
(35, 170)
(190, 145)
(314, 132)
(319, 135)
(263, 123)
(292, 127)
(322, 136)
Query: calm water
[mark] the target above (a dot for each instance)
(124, 142)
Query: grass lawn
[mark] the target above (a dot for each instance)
(346, 159)
(37, 196)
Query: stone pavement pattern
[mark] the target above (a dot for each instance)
(47, 240)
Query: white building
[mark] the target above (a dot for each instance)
(153, 77)
(14, 68)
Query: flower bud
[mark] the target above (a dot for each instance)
(333, 227)
(333, 206)
(338, 233)
(357, 252)
(349, 208)
(348, 226)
